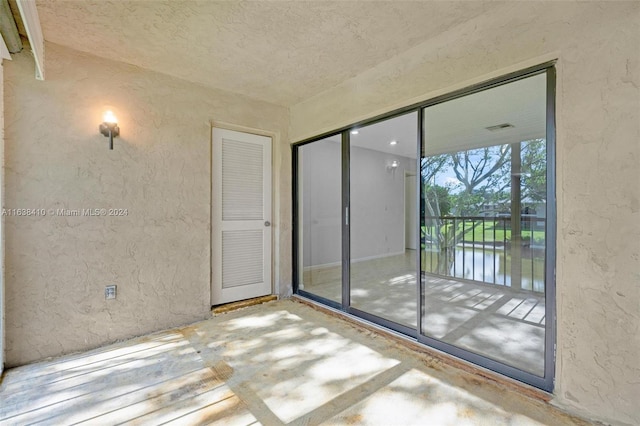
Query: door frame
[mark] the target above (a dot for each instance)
(275, 240)
(4, 54)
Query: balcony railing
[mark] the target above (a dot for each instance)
(488, 250)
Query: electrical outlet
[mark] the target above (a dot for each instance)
(110, 292)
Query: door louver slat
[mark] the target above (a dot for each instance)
(242, 181)
(242, 258)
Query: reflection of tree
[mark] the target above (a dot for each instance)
(436, 205)
(484, 175)
(438, 198)
(485, 179)
(484, 188)
(431, 166)
(534, 170)
(434, 198)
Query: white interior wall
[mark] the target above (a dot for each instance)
(321, 203)
(377, 203)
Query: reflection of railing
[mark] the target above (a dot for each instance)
(484, 249)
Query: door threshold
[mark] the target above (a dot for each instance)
(232, 306)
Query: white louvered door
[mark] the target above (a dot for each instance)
(241, 216)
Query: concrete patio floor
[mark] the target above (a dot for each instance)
(272, 364)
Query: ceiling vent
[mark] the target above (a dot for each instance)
(499, 127)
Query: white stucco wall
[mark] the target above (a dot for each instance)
(158, 254)
(598, 183)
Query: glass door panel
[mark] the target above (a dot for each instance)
(383, 222)
(483, 188)
(473, 215)
(319, 218)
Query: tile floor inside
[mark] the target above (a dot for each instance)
(272, 364)
(491, 320)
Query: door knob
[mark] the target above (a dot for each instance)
(267, 223)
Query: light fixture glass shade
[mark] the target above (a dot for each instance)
(109, 117)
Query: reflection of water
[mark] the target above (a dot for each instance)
(491, 267)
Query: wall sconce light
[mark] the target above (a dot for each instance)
(392, 166)
(109, 127)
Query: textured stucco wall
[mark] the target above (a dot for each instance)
(159, 254)
(598, 163)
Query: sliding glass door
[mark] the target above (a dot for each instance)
(319, 241)
(382, 170)
(484, 180)
(438, 222)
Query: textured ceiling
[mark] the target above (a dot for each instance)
(281, 52)
(461, 123)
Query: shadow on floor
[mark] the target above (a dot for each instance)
(272, 364)
(491, 320)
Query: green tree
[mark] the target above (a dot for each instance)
(438, 196)
(484, 175)
(437, 203)
(429, 169)
(431, 166)
(534, 170)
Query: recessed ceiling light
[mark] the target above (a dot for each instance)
(354, 132)
(393, 143)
